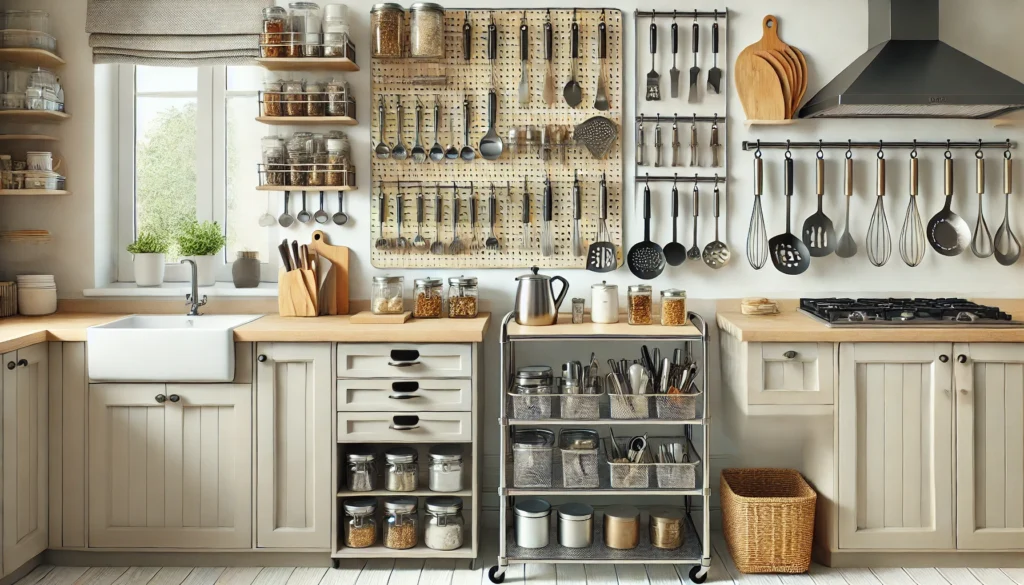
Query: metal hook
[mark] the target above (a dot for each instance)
(849, 149)
(714, 122)
(675, 178)
(1007, 154)
(694, 16)
(716, 180)
(881, 153)
(695, 183)
(694, 119)
(979, 154)
(913, 152)
(757, 152)
(716, 14)
(820, 154)
(673, 15)
(948, 154)
(647, 181)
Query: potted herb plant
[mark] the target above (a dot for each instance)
(201, 242)
(148, 250)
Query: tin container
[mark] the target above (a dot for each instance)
(621, 527)
(604, 303)
(532, 523)
(575, 525)
(666, 527)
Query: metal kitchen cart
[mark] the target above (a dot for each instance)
(696, 549)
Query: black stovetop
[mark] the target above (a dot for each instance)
(906, 313)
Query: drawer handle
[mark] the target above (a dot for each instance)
(403, 396)
(404, 364)
(790, 355)
(405, 423)
(961, 358)
(403, 358)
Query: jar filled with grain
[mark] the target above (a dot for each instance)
(445, 468)
(386, 29)
(335, 30)
(401, 470)
(294, 97)
(443, 523)
(429, 296)
(673, 307)
(400, 523)
(316, 99)
(275, 160)
(360, 525)
(360, 469)
(463, 297)
(387, 295)
(335, 174)
(640, 303)
(272, 98)
(298, 169)
(426, 30)
(318, 170)
(272, 43)
(337, 99)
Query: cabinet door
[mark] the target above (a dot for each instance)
(895, 446)
(170, 466)
(990, 445)
(25, 455)
(293, 440)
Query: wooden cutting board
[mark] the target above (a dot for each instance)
(777, 61)
(759, 88)
(752, 79)
(338, 255)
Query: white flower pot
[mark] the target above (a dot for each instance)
(207, 267)
(149, 269)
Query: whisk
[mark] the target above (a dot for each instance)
(912, 238)
(879, 242)
(757, 237)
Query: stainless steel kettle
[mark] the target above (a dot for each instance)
(536, 303)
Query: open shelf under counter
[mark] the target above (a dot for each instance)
(34, 116)
(307, 120)
(310, 188)
(308, 64)
(420, 551)
(565, 329)
(415, 493)
(31, 192)
(31, 57)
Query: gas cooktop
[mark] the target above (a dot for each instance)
(905, 313)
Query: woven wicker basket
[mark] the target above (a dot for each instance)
(768, 519)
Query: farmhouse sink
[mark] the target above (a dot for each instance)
(164, 348)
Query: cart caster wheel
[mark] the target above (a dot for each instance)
(495, 576)
(336, 563)
(697, 576)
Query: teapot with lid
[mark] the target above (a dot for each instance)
(536, 303)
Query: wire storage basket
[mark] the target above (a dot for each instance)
(622, 473)
(581, 406)
(532, 458)
(676, 406)
(580, 458)
(676, 465)
(531, 406)
(630, 406)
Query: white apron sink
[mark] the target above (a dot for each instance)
(164, 348)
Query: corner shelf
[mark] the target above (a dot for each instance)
(294, 188)
(308, 64)
(306, 120)
(31, 57)
(32, 192)
(34, 116)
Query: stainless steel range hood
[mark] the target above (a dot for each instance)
(909, 73)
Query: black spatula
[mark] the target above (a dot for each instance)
(675, 253)
(646, 259)
(788, 252)
(601, 255)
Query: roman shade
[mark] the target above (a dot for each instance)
(184, 33)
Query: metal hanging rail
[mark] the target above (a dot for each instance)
(754, 145)
(679, 179)
(677, 118)
(680, 14)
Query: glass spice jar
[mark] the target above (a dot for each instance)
(400, 523)
(463, 297)
(337, 99)
(274, 160)
(639, 298)
(387, 295)
(673, 307)
(443, 523)
(335, 43)
(298, 170)
(335, 175)
(272, 98)
(429, 298)
(295, 97)
(426, 30)
(316, 100)
(318, 170)
(445, 468)
(386, 30)
(401, 470)
(274, 24)
(360, 469)
(360, 525)
(305, 19)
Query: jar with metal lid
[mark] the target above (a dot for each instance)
(445, 468)
(666, 527)
(317, 170)
(335, 174)
(294, 97)
(386, 295)
(532, 451)
(401, 470)
(429, 298)
(298, 169)
(361, 469)
(275, 161)
(575, 525)
(305, 19)
(621, 527)
(386, 30)
(532, 523)
(337, 99)
(463, 297)
(531, 381)
(580, 458)
(316, 99)
(443, 524)
(275, 24)
(400, 523)
(426, 30)
(360, 524)
(604, 303)
(272, 97)
(673, 307)
(640, 304)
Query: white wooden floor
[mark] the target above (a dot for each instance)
(448, 572)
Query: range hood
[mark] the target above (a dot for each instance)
(909, 73)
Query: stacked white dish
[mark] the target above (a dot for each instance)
(37, 294)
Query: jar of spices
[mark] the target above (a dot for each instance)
(335, 30)
(604, 303)
(360, 525)
(272, 43)
(621, 527)
(245, 270)
(335, 175)
(666, 527)
(275, 161)
(640, 303)
(401, 470)
(298, 169)
(337, 99)
(386, 30)
(445, 468)
(429, 297)
(316, 100)
(426, 30)
(673, 307)
(335, 43)
(272, 98)
(400, 523)
(532, 523)
(443, 524)
(318, 170)
(305, 19)
(360, 469)
(294, 97)
(387, 295)
(463, 297)
(575, 525)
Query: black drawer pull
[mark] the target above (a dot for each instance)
(403, 358)
(404, 390)
(405, 423)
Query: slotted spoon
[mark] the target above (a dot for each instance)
(646, 259)
(789, 253)
(948, 232)
(1006, 244)
(981, 244)
(912, 238)
(717, 254)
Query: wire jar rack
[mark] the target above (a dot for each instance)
(302, 45)
(336, 176)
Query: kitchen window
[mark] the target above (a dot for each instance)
(188, 144)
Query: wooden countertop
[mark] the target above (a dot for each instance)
(19, 332)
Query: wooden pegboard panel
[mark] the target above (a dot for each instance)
(455, 79)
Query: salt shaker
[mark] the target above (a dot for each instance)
(577, 311)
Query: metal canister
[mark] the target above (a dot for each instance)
(666, 527)
(621, 527)
(575, 525)
(534, 380)
(532, 523)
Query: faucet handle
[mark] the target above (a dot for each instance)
(202, 302)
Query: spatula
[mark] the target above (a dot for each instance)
(695, 70)
(675, 253)
(715, 74)
(653, 78)
(819, 234)
(788, 252)
(673, 74)
(601, 255)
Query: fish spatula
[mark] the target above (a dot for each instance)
(653, 78)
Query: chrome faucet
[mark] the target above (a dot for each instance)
(193, 299)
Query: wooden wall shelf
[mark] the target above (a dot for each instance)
(34, 116)
(31, 57)
(306, 120)
(27, 137)
(31, 192)
(309, 64)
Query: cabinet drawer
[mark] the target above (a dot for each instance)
(432, 395)
(404, 360)
(418, 427)
(790, 373)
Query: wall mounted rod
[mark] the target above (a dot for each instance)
(679, 179)
(753, 145)
(677, 118)
(680, 14)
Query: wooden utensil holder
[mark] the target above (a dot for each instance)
(296, 294)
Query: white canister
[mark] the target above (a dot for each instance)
(604, 303)
(39, 161)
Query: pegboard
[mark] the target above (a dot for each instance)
(454, 79)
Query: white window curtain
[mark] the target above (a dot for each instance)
(182, 33)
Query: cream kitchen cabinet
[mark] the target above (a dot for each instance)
(293, 439)
(170, 466)
(25, 455)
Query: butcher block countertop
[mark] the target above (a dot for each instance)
(19, 332)
(791, 326)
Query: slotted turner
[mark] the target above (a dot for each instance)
(788, 252)
(601, 255)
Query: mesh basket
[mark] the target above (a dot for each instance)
(579, 468)
(676, 406)
(679, 476)
(630, 406)
(630, 475)
(531, 466)
(581, 406)
(531, 406)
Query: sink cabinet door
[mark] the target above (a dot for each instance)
(25, 455)
(895, 446)
(293, 442)
(173, 473)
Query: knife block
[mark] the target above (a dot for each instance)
(296, 293)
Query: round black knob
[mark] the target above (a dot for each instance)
(10, 365)
(174, 398)
(789, 354)
(261, 358)
(961, 358)
(943, 358)
(23, 362)
(160, 398)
